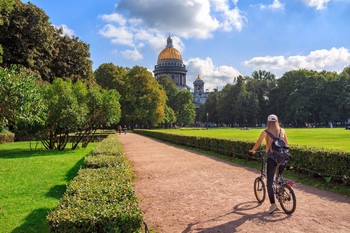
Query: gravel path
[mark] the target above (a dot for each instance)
(186, 191)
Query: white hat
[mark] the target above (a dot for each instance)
(272, 117)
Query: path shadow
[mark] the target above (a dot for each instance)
(233, 225)
(34, 222)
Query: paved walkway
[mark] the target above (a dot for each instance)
(185, 191)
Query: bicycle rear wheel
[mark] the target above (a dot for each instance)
(259, 189)
(287, 200)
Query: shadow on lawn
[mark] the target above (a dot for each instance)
(34, 222)
(26, 153)
(58, 190)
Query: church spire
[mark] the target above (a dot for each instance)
(169, 43)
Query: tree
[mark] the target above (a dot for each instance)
(25, 44)
(5, 6)
(178, 100)
(227, 105)
(103, 109)
(109, 76)
(72, 59)
(185, 110)
(287, 92)
(211, 106)
(64, 113)
(144, 101)
(29, 39)
(169, 116)
(259, 86)
(20, 97)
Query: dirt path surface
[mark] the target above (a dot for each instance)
(185, 191)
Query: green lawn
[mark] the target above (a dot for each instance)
(336, 138)
(31, 183)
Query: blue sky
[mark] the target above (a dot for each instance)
(218, 39)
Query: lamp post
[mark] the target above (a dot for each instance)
(207, 119)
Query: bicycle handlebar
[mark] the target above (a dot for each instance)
(260, 151)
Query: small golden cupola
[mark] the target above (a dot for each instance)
(198, 85)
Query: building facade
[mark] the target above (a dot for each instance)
(199, 96)
(170, 63)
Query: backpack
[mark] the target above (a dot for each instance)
(280, 151)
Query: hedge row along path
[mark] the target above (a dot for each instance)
(186, 191)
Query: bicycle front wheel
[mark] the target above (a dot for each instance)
(287, 200)
(259, 189)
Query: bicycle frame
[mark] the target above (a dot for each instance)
(282, 189)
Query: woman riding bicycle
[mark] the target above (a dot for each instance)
(274, 128)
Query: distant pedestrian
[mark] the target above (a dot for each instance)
(120, 129)
(125, 129)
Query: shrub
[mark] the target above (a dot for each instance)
(101, 197)
(323, 162)
(6, 136)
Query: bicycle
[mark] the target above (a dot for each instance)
(281, 188)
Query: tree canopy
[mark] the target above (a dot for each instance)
(180, 101)
(142, 99)
(298, 97)
(42, 48)
(20, 97)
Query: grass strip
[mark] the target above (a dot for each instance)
(32, 182)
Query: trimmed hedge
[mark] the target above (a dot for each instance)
(322, 161)
(6, 136)
(101, 197)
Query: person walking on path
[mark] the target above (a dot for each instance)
(120, 129)
(125, 129)
(274, 128)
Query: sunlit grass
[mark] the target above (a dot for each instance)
(31, 183)
(335, 138)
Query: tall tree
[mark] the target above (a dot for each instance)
(179, 100)
(5, 6)
(259, 86)
(72, 59)
(25, 44)
(185, 110)
(144, 101)
(211, 107)
(109, 76)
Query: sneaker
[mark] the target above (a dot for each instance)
(272, 209)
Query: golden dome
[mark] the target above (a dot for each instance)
(169, 53)
(198, 78)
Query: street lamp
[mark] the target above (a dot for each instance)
(207, 119)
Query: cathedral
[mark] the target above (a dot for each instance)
(170, 63)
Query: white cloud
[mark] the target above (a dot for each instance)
(319, 4)
(134, 55)
(212, 75)
(150, 21)
(333, 59)
(116, 18)
(120, 35)
(275, 5)
(66, 30)
(187, 18)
